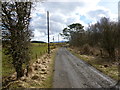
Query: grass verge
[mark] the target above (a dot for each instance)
(48, 83)
(106, 66)
(39, 83)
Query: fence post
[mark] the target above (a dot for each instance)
(36, 55)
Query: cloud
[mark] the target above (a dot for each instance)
(98, 13)
(58, 17)
(55, 27)
(63, 13)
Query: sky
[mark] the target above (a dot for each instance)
(65, 12)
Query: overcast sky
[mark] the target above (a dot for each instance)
(66, 12)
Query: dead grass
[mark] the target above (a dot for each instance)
(49, 80)
(38, 78)
(106, 66)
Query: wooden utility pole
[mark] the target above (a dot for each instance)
(53, 39)
(58, 38)
(48, 32)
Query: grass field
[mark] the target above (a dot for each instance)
(36, 50)
(7, 67)
(0, 63)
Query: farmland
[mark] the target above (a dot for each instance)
(36, 51)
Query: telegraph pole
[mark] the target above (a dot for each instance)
(58, 38)
(48, 32)
(53, 39)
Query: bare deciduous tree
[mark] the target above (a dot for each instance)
(104, 34)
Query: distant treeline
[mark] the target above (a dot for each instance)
(37, 42)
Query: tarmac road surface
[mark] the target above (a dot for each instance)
(71, 72)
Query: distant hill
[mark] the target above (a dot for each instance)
(59, 42)
(37, 42)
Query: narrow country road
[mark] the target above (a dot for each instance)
(71, 72)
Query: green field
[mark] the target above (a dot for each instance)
(0, 63)
(7, 67)
(36, 50)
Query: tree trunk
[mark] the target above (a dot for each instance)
(112, 53)
(27, 68)
(101, 53)
(19, 71)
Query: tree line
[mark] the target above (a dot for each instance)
(104, 34)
